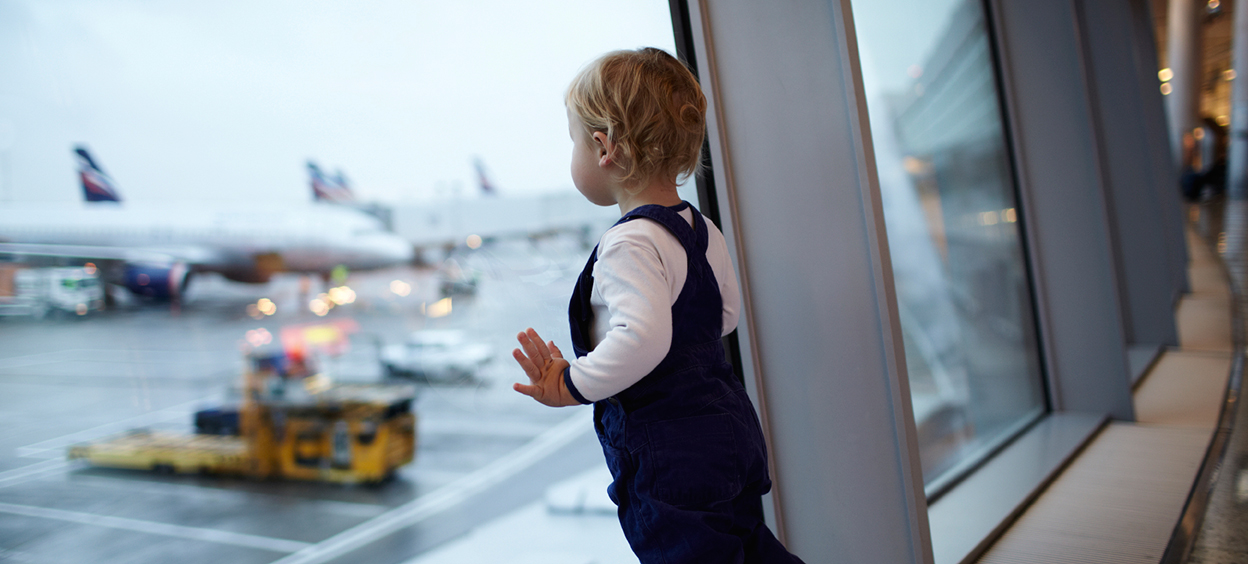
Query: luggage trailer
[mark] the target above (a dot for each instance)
(318, 431)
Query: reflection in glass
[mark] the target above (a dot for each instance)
(952, 222)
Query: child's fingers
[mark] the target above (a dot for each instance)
(540, 345)
(554, 351)
(527, 344)
(531, 349)
(527, 365)
(531, 391)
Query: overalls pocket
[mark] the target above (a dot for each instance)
(693, 461)
(618, 462)
(609, 426)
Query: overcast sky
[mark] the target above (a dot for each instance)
(226, 100)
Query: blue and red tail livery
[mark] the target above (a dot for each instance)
(96, 185)
(487, 187)
(329, 189)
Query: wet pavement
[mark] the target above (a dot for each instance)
(483, 451)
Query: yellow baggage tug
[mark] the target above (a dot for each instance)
(302, 428)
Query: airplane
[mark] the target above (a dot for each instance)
(336, 190)
(154, 250)
(435, 227)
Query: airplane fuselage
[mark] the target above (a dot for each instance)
(240, 242)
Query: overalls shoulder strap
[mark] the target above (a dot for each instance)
(694, 239)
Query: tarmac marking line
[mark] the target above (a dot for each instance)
(8, 477)
(158, 416)
(154, 528)
(198, 493)
(445, 497)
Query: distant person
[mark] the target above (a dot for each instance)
(1213, 155)
(1203, 174)
(681, 438)
(1191, 178)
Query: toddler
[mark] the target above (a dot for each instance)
(681, 439)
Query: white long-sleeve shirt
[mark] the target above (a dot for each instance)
(640, 271)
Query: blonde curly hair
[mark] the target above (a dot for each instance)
(649, 105)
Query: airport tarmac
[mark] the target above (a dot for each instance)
(484, 452)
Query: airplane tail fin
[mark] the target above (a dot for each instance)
(341, 180)
(329, 189)
(96, 184)
(487, 186)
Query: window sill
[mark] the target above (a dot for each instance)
(966, 520)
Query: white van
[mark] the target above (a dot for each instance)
(38, 291)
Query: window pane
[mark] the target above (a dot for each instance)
(277, 163)
(952, 221)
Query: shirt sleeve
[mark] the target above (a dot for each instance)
(729, 290)
(630, 277)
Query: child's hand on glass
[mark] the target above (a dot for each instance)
(544, 365)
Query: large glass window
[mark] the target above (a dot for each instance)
(209, 204)
(953, 227)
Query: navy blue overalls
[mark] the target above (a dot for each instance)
(683, 444)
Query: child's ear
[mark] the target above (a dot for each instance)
(606, 149)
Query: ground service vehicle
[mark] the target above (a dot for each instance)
(39, 291)
(288, 426)
(436, 356)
